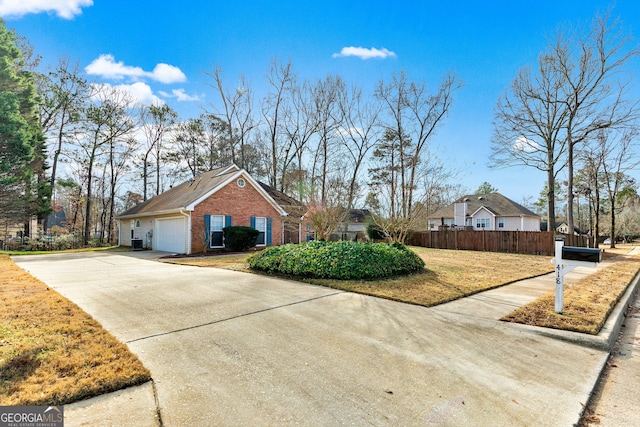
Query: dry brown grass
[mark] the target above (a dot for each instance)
(587, 302)
(52, 352)
(236, 262)
(448, 275)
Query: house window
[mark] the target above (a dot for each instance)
(217, 224)
(137, 223)
(483, 223)
(261, 226)
(500, 222)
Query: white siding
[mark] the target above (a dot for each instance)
(140, 227)
(531, 224)
(520, 224)
(484, 214)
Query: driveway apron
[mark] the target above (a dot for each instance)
(231, 348)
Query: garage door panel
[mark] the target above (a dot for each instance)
(171, 235)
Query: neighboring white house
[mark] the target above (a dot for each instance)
(354, 226)
(491, 211)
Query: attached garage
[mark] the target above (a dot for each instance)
(190, 217)
(171, 235)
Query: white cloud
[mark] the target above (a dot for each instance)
(364, 53)
(66, 9)
(107, 67)
(165, 73)
(351, 131)
(180, 95)
(141, 92)
(525, 144)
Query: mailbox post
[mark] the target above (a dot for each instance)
(566, 259)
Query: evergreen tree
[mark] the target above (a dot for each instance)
(23, 188)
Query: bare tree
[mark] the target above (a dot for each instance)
(618, 152)
(107, 120)
(189, 140)
(219, 149)
(63, 93)
(326, 94)
(588, 183)
(592, 94)
(237, 112)
(411, 117)
(156, 121)
(300, 123)
(358, 133)
(528, 125)
(281, 79)
(121, 152)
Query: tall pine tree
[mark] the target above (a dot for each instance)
(23, 188)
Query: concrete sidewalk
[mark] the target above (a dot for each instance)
(476, 369)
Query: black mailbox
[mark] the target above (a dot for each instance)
(573, 253)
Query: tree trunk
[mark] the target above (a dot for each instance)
(551, 198)
(87, 216)
(570, 185)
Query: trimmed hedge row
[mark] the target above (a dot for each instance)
(338, 260)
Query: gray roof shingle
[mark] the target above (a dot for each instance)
(494, 202)
(189, 192)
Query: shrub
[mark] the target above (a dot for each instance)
(338, 260)
(374, 232)
(240, 238)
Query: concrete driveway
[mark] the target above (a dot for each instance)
(229, 348)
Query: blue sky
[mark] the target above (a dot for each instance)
(161, 49)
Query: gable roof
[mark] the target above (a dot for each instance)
(358, 215)
(495, 203)
(188, 194)
(282, 199)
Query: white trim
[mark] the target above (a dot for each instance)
(228, 169)
(154, 213)
(482, 208)
(256, 218)
(188, 230)
(484, 220)
(211, 230)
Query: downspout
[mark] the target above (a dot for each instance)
(300, 230)
(188, 215)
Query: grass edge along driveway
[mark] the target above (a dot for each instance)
(587, 301)
(52, 352)
(451, 274)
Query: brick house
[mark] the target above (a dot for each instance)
(189, 218)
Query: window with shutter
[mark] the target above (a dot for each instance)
(261, 226)
(217, 224)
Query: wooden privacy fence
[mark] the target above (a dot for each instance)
(519, 242)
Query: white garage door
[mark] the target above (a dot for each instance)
(171, 235)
